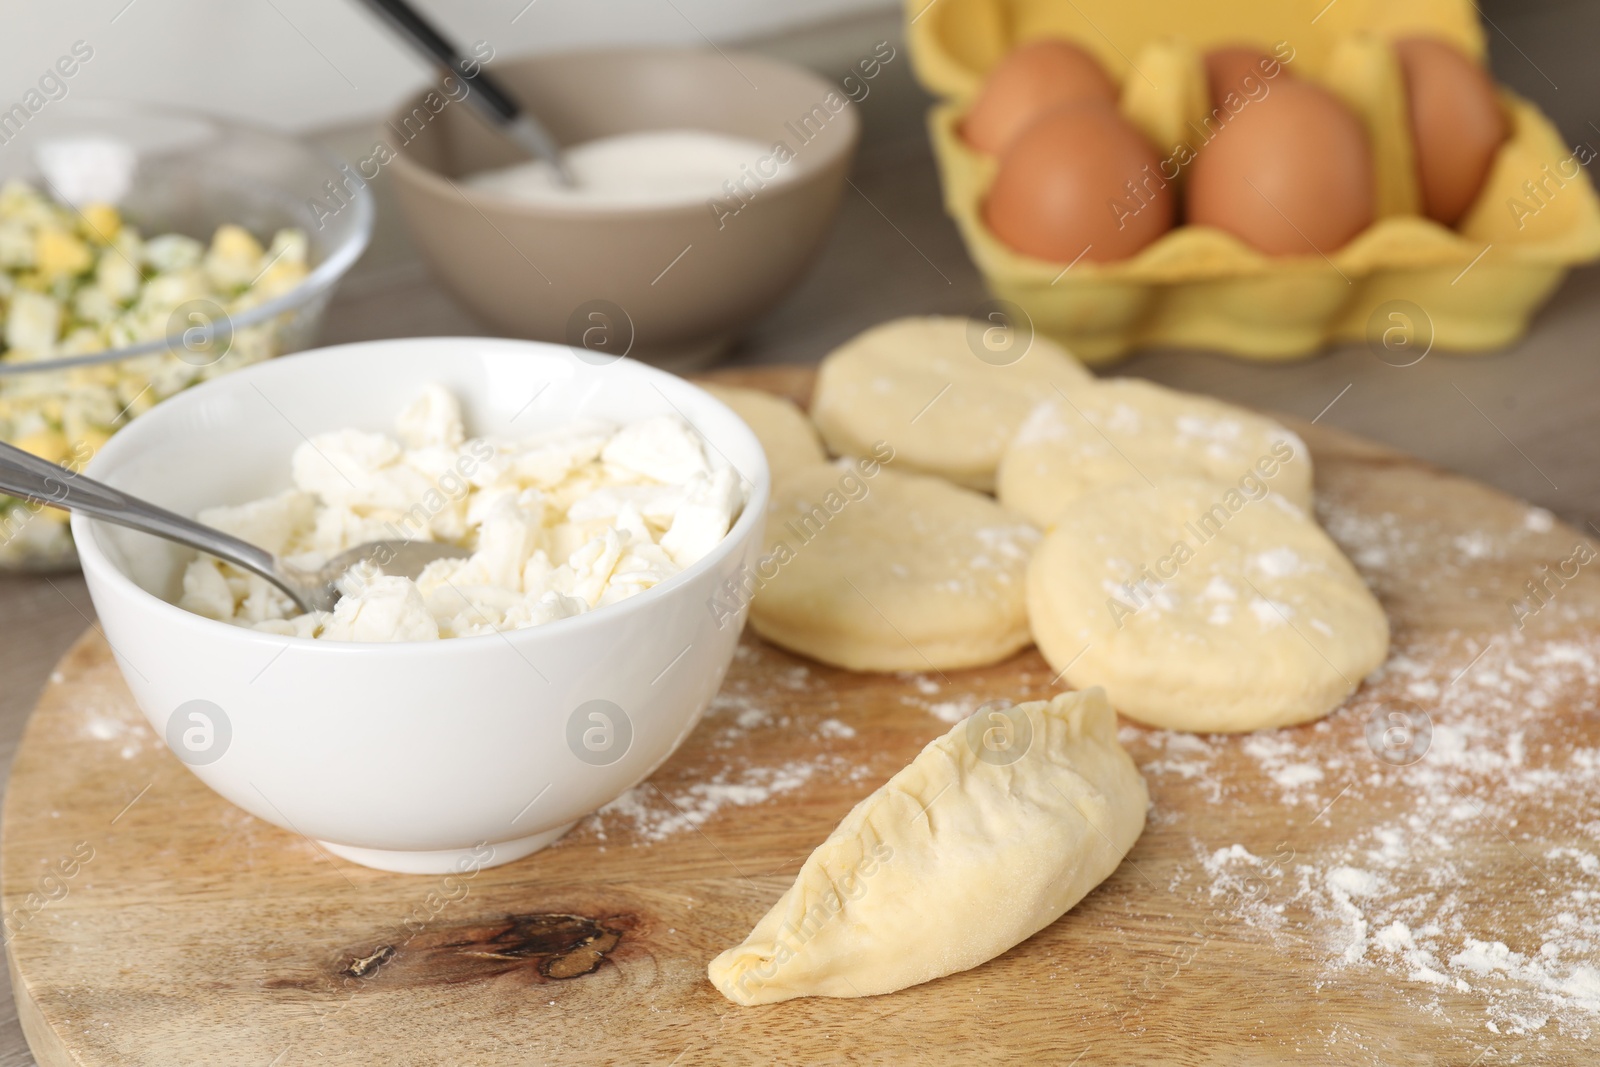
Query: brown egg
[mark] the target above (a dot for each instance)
(1080, 181)
(1228, 66)
(1290, 174)
(1456, 124)
(1033, 79)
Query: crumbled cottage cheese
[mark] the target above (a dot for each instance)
(571, 519)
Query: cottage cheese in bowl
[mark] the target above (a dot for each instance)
(565, 521)
(595, 501)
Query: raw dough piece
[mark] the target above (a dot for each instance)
(1201, 609)
(786, 435)
(918, 384)
(892, 572)
(990, 835)
(1127, 431)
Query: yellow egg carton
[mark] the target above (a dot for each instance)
(1469, 289)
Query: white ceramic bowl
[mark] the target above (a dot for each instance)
(422, 757)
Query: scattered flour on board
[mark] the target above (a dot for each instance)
(657, 809)
(689, 808)
(956, 707)
(953, 711)
(741, 710)
(131, 735)
(1448, 881)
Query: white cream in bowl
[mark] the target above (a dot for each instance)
(649, 168)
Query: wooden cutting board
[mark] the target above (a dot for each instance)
(150, 922)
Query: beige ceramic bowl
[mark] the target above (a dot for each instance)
(671, 286)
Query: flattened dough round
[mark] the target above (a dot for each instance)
(917, 384)
(892, 572)
(786, 435)
(1199, 616)
(1123, 430)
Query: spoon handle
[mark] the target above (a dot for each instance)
(486, 93)
(25, 475)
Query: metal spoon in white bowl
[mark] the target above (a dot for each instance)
(25, 475)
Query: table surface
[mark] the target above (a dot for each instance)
(1526, 420)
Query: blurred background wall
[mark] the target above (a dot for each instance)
(302, 64)
(308, 64)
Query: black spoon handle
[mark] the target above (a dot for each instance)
(428, 40)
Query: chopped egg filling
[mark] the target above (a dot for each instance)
(74, 283)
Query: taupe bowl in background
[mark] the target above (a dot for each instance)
(673, 286)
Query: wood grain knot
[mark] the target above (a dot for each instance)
(362, 966)
(565, 946)
(545, 946)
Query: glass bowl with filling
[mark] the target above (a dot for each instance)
(144, 250)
